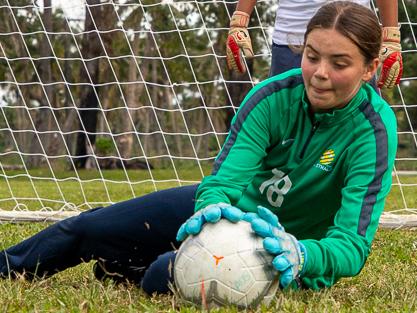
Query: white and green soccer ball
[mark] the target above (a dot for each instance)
(225, 264)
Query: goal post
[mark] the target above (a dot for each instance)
(105, 100)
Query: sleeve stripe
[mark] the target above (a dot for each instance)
(249, 105)
(381, 165)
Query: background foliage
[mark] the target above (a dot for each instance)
(151, 78)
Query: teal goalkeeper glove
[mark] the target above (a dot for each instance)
(290, 254)
(211, 214)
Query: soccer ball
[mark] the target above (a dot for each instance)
(225, 264)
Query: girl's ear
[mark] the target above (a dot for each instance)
(371, 69)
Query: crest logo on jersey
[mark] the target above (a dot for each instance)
(326, 160)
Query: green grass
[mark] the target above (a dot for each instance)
(388, 282)
(88, 187)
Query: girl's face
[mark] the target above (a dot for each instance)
(333, 69)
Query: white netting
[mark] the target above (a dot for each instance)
(102, 101)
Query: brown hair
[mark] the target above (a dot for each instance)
(353, 21)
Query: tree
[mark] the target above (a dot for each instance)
(91, 50)
(45, 96)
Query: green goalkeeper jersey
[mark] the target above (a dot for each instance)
(325, 175)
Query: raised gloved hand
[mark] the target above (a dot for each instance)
(211, 214)
(238, 40)
(390, 56)
(290, 254)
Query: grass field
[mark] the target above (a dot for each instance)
(388, 282)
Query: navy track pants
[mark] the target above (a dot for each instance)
(133, 239)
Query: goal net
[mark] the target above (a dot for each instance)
(102, 101)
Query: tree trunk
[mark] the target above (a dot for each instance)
(145, 126)
(89, 73)
(42, 118)
(125, 142)
(63, 144)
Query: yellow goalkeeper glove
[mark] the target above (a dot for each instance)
(390, 56)
(237, 41)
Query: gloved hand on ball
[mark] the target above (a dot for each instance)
(391, 59)
(238, 40)
(290, 254)
(211, 214)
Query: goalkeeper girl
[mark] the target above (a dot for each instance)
(308, 162)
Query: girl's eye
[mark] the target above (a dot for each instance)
(340, 65)
(312, 58)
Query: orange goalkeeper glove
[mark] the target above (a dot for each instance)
(237, 41)
(390, 56)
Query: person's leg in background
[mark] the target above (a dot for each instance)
(130, 235)
(373, 82)
(283, 59)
